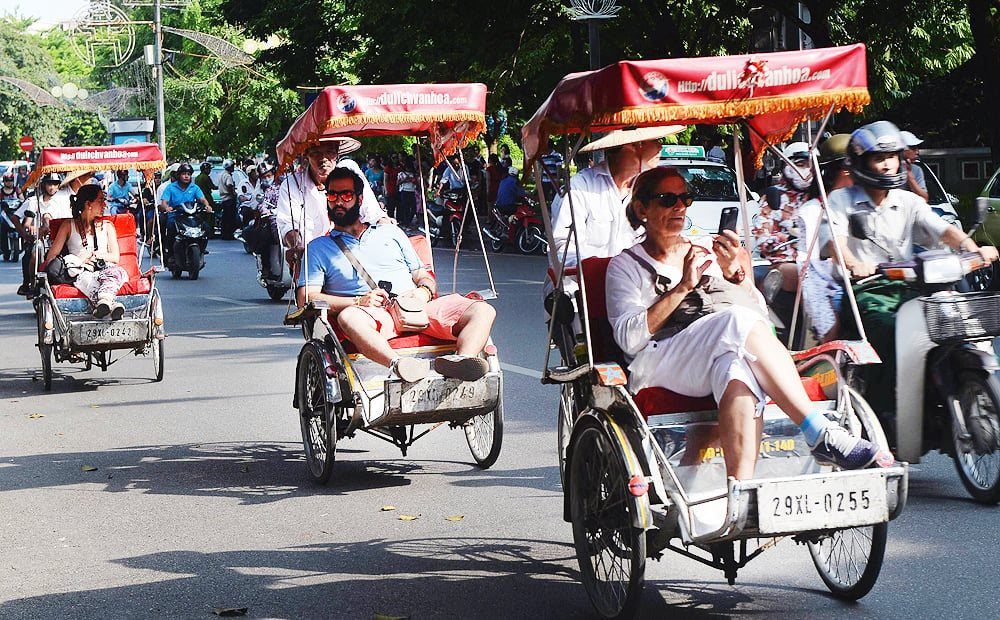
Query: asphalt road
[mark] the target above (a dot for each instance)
(200, 498)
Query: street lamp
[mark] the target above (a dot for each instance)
(593, 12)
(69, 92)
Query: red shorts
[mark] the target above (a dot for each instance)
(443, 313)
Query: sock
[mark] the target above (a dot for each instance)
(813, 425)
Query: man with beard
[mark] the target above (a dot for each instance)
(301, 213)
(384, 251)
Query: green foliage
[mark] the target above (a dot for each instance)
(83, 128)
(22, 57)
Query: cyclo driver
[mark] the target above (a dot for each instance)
(177, 193)
(384, 252)
(874, 159)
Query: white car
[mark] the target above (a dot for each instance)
(714, 186)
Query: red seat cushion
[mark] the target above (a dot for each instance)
(128, 258)
(405, 341)
(658, 401)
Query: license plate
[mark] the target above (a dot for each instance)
(436, 394)
(823, 503)
(115, 331)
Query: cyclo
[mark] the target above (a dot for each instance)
(638, 477)
(338, 391)
(67, 332)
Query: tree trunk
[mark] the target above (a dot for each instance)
(984, 19)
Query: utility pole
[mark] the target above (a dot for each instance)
(158, 70)
(593, 12)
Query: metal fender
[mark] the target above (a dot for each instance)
(333, 392)
(642, 516)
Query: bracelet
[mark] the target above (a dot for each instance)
(428, 289)
(357, 300)
(738, 277)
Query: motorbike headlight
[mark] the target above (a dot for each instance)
(192, 231)
(943, 270)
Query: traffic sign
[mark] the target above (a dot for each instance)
(27, 143)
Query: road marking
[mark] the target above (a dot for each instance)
(526, 281)
(521, 370)
(235, 302)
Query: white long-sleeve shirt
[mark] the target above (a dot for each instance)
(302, 205)
(601, 223)
(630, 292)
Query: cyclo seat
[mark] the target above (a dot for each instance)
(652, 400)
(138, 283)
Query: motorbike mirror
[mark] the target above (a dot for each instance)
(859, 226)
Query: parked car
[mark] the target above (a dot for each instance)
(714, 186)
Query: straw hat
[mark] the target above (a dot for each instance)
(73, 175)
(345, 144)
(620, 137)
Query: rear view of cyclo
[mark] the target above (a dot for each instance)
(644, 469)
(370, 308)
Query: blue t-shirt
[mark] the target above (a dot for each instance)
(384, 251)
(174, 195)
(508, 192)
(116, 191)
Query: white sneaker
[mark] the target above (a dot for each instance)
(409, 369)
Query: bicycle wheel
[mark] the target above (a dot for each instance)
(849, 561)
(319, 437)
(977, 458)
(44, 313)
(610, 550)
(484, 433)
(156, 352)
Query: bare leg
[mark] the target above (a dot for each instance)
(776, 373)
(739, 430)
(361, 331)
(473, 329)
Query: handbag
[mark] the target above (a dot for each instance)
(409, 314)
(57, 272)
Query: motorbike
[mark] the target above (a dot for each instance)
(12, 246)
(948, 392)
(276, 284)
(447, 216)
(193, 227)
(520, 224)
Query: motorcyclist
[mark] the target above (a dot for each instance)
(9, 195)
(121, 193)
(510, 192)
(265, 228)
(9, 190)
(177, 193)
(32, 226)
(227, 199)
(874, 159)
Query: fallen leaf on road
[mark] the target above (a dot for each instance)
(229, 612)
(87, 468)
(455, 518)
(245, 469)
(388, 508)
(95, 406)
(408, 517)
(35, 416)
(379, 616)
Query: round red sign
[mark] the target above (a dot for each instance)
(27, 143)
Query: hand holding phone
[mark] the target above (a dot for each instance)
(728, 218)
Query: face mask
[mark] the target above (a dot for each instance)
(797, 181)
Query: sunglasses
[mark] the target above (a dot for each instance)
(344, 195)
(668, 200)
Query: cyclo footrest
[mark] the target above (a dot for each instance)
(438, 399)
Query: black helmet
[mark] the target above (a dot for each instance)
(185, 168)
(206, 167)
(834, 148)
(877, 137)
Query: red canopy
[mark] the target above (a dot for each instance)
(452, 115)
(773, 93)
(140, 156)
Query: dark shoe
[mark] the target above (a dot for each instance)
(836, 446)
(102, 309)
(117, 311)
(410, 369)
(206, 252)
(24, 290)
(461, 367)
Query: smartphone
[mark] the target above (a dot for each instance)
(727, 221)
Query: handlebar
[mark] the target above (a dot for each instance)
(934, 267)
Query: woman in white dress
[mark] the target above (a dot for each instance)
(699, 328)
(94, 241)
